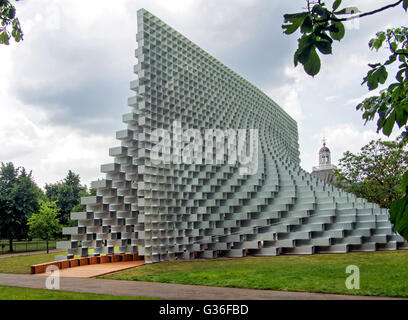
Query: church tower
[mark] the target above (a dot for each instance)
(324, 155)
(325, 170)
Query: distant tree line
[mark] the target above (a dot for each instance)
(375, 173)
(27, 211)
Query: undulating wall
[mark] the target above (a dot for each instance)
(185, 210)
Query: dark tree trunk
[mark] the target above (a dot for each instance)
(47, 245)
(11, 245)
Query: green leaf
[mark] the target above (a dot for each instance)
(392, 87)
(307, 25)
(324, 47)
(389, 124)
(4, 38)
(324, 36)
(405, 5)
(391, 59)
(382, 74)
(404, 182)
(304, 54)
(296, 58)
(294, 20)
(374, 65)
(320, 11)
(399, 216)
(290, 16)
(340, 33)
(381, 36)
(399, 76)
(371, 80)
(313, 64)
(376, 76)
(290, 28)
(336, 5)
(401, 117)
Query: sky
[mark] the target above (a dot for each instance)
(63, 89)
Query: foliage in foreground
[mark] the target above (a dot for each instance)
(8, 19)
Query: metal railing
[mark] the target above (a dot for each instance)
(26, 246)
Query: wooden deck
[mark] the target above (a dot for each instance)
(93, 270)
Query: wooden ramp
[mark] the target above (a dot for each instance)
(88, 267)
(93, 270)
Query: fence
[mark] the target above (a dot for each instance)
(26, 246)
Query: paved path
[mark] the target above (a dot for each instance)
(94, 270)
(29, 253)
(165, 290)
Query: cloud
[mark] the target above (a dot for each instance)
(287, 93)
(29, 140)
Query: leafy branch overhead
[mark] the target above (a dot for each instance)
(392, 104)
(8, 19)
(320, 27)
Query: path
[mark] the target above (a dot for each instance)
(167, 291)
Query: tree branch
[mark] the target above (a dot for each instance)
(361, 15)
(392, 50)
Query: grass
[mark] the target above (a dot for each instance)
(16, 293)
(21, 264)
(381, 273)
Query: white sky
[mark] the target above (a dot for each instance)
(64, 89)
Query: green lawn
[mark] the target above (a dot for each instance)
(16, 293)
(382, 273)
(21, 264)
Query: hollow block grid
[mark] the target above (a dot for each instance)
(185, 211)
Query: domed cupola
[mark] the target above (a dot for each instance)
(325, 170)
(324, 155)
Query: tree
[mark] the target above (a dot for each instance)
(45, 223)
(8, 18)
(81, 207)
(67, 193)
(392, 103)
(19, 197)
(83, 193)
(319, 27)
(375, 173)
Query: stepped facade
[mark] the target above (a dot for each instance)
(191, 209)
